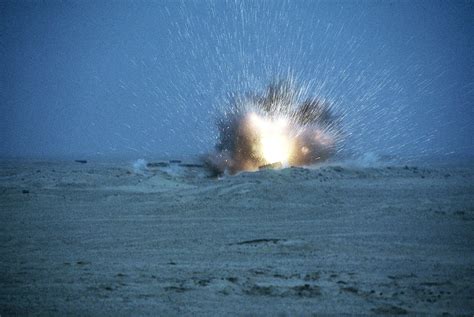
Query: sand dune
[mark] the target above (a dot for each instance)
(100, 239)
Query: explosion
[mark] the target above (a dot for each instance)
(272, 141)
(279, 127)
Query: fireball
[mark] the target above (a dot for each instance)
(273, 139)
(277, 126)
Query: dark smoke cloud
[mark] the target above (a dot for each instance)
(312, 127)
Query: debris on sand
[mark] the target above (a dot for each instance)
(157, 164)
(191, 165)
(276, 165)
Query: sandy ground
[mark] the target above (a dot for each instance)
(99, 239)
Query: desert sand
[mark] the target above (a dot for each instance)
(101, 239)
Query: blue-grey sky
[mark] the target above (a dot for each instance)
(144, 78)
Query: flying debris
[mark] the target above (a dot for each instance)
(279, 127)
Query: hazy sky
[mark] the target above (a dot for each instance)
(143, 78)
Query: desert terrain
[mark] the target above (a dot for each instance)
(102, 238)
